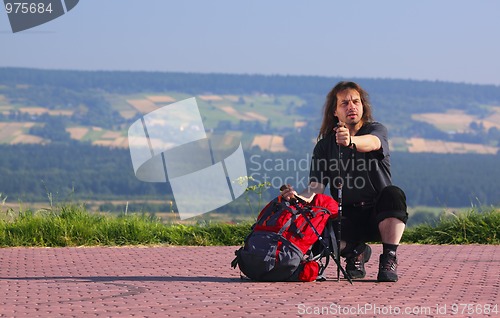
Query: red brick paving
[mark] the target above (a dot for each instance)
(435, 281)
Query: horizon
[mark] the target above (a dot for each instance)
(249, 74)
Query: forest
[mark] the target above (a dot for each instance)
(85, 172)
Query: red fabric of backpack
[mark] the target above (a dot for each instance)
(279, 248)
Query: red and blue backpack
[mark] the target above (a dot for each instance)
(284, 241)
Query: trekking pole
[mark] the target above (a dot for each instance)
(339, 222)
(339, 184)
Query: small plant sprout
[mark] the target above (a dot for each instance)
(257, 188)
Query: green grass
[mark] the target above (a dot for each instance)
(469, 227)
(73, 225)
(93, 135)
(274, 108)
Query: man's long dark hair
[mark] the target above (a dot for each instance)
(330, 120)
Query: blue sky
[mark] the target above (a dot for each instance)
(447, 40)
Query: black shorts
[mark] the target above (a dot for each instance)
(360, 222)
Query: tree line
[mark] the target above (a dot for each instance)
(196, 83)
(81, 171)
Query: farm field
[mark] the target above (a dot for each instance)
(270, 143)
(459, 121)
(17, 132)
(265, 109)
(273, 113)
(439, 146)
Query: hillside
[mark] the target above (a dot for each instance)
(445, 137)
(39, 106)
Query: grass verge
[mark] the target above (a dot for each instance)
(469, 227)
(73, 225)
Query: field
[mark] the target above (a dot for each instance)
(453, 121)
(143, 106)
(458, 121)
(265, 109)
(17, 132)
(268, 110)
(270, 143)
(438, 146)
(273, 112)
(42, 110)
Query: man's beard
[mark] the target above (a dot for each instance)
(353, 122)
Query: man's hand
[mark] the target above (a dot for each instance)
(287, 192)
(342, 136)
(364, 143)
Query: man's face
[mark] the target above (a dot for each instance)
(349, 107)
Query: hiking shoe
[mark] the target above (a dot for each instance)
(355, 261)
(388, 268)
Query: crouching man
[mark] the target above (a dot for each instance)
(353, 151)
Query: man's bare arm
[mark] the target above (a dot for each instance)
(366, 143)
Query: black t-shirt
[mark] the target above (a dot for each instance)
(364, 175)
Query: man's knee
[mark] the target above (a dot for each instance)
(391, 203)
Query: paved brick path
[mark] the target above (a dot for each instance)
(198, 282)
